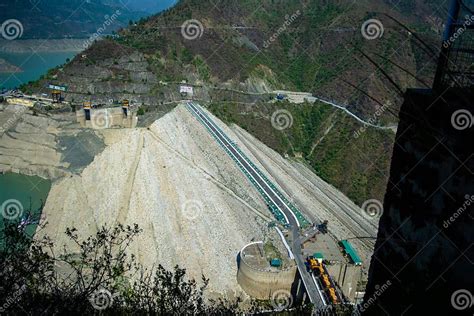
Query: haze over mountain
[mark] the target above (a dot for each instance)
(76, 18)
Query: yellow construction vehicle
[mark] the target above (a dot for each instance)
(326, 281)
(313, 263)
(321, 269)
(332, 295)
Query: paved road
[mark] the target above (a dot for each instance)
(312, 286)
(300, 97)
(247, 166)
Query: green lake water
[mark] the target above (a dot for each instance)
(22, 197)
(33, 65)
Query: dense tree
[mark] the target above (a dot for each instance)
(97, 276)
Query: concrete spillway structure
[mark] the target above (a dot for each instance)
(106, 118)
(258, 278)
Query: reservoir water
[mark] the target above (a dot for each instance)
(21, 200)
(33, 65)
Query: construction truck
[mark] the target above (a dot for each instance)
(317, 267)
(332, 295)
(313, 263)
(326, 281)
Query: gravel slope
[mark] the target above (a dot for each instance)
(196, 208)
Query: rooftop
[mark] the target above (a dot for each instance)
(351, 252)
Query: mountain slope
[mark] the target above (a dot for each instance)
(258, 46)
(325, 138)
(309, 45)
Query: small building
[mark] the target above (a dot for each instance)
(351, 252)
(186, 90)
(280, 96)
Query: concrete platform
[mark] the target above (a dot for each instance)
(325, 244)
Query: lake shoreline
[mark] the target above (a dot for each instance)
(8, 68)
(32, 64)
(25, 197)
(43, 45)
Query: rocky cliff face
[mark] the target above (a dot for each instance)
(108, 72)
(424, 244)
